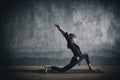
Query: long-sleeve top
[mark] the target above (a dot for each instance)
(72, 46)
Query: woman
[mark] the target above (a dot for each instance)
(78, 56)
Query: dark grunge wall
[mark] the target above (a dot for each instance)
(28, 35)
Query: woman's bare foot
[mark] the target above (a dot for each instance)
(91, 68)
(46, 67)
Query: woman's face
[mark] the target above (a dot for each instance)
(74, 39)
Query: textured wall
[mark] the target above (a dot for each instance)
(28, 35)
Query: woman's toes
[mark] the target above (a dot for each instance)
(46, 69)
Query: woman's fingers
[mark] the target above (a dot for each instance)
(56, 25)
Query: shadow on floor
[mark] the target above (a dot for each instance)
(73, 71)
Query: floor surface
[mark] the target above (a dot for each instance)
(76, 73)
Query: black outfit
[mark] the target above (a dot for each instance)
(76, 52)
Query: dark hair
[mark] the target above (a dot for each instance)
(71, 35)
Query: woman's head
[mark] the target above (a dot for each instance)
(72, 37)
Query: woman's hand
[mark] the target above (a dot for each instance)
(78, 58)
(59, 28)
(57, 25)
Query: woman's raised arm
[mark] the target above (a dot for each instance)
(60, 29)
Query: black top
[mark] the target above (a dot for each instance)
(74, 47)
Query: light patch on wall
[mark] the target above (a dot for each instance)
(92, 24)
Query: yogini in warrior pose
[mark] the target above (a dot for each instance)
(78, 56)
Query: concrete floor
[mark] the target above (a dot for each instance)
(34, 73)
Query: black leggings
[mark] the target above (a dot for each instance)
(72, 63)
